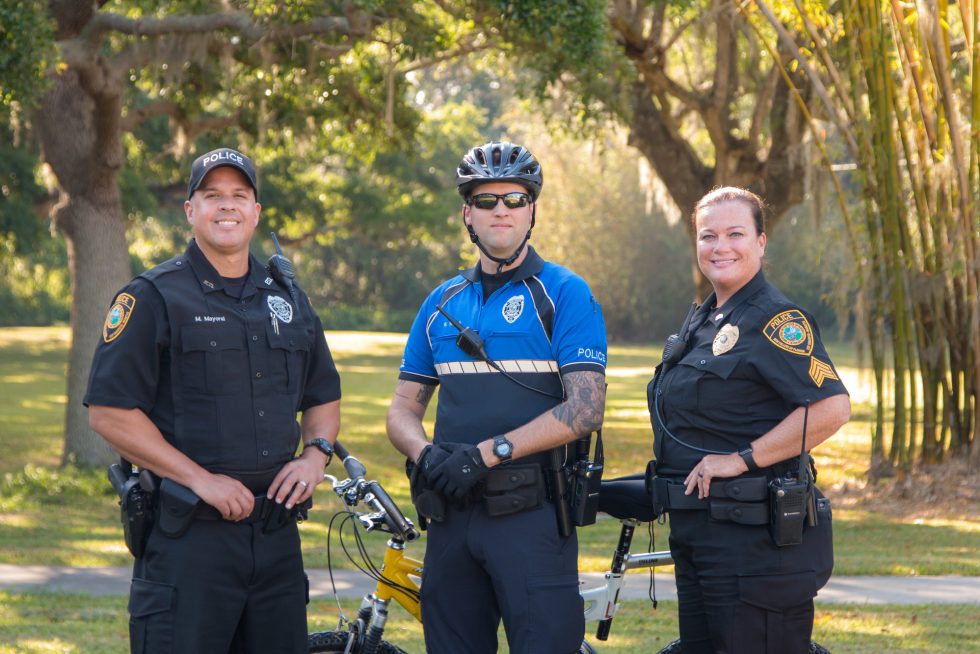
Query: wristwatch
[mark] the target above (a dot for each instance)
(503, 448)
(324, 446)
(746, 455)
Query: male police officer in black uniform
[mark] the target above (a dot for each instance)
(494, 551)
(203, 363)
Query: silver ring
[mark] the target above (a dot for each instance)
(700, 474)
(303, 483)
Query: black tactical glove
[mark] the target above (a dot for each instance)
(434, 455)
(428, 503)
(456, 476)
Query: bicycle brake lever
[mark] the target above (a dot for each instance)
(372, 521)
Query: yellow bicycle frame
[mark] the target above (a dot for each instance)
(401, 570)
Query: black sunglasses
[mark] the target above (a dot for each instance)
(513, 200)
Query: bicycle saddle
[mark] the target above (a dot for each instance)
(627, 497)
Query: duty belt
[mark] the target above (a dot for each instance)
(743, 500)
(179, 506)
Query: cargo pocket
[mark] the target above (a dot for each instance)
(777, 592)
(151, 617)
(775, 612)
(556, 613)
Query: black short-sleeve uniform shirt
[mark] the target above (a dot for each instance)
(747, 366)
(220, 370)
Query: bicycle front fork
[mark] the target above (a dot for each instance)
(373, 615)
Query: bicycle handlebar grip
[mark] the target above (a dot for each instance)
(393, 516)
(340, 451)
(602, 631)
(355, 469)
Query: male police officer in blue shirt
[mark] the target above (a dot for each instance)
(201, 368)
(529, 379)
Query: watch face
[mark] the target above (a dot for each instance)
(503, 449)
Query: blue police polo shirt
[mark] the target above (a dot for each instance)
(543, 323)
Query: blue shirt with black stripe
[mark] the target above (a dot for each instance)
(540, 325)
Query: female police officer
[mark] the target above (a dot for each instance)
(740, 387)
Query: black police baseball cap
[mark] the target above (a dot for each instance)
(216, 159)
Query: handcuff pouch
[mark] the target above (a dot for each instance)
(178, 505)
(511, 489)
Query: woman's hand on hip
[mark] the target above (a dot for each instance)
(711, 466)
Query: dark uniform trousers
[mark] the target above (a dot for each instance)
(220, 587)
(725, 613)
(480, 568)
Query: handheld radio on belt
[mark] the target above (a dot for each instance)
(586, 475)
(791, 501)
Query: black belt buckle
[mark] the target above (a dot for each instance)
(275, 516)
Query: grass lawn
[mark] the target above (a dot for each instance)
(75, 624)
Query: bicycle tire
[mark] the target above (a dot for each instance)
(336, 641)
(585, 648)
(674, 647)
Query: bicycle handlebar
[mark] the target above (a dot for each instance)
(379, 500)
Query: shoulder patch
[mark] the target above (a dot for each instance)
(118, 316)
(790, 331)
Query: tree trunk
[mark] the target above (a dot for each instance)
(81, 142)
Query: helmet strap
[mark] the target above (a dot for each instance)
(501, 261)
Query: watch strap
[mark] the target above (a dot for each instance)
(746, 455)
(323, 445)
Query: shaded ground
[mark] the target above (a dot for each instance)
(950, 490)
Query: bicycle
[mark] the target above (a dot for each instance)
(399, 578)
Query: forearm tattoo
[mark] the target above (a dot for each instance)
(586, 399)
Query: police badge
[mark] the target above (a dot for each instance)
(725, 340)
(282, 309)
(513, 308)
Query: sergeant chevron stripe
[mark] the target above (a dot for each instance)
(820, 371)
(512, 365)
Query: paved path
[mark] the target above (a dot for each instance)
(840, 590)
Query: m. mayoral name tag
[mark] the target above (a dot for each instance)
(118, 316)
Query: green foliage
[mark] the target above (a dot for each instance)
(34, 287)
(19, 191)
(568, 46)
(28, 49)
(40, 487)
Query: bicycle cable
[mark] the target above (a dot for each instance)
(365, 564)
(333, 583)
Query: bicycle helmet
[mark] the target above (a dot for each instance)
(499, 161)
